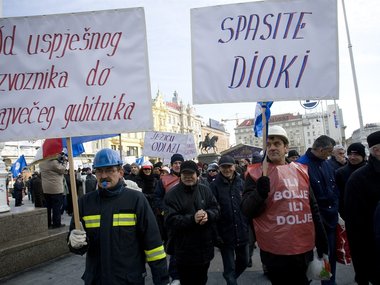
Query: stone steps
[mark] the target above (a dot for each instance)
(25, 240)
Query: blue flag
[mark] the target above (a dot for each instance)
(18, 166)
(258, 125)
(140, 160)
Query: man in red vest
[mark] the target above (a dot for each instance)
(287, 222)
(165, 184)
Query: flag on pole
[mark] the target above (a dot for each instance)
(18, 166)
(258, 125)
(140, 160)
(53, 147)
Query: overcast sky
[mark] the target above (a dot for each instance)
(169, 41)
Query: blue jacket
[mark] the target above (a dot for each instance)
(322, 181)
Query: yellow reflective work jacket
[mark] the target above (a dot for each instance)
(122, 235)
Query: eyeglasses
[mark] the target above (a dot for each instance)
(213, 170)
(106, 170)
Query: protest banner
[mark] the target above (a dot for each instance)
(164, 145)
(265, 51)
(74, 74)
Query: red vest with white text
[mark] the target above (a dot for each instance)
(169, 181)
(286, 226)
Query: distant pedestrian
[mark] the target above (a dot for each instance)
(164, 185)
(52, 174)
(293, 155)
(39, 199)
(147, 182)
(91, 182)
(18, 190)
(361, 199)
(212, 172)
(338, 157)
(356, 159)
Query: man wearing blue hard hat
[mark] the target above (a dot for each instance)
(119, 231)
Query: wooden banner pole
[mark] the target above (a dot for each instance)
(74, 195)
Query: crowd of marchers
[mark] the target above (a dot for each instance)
(289, 205)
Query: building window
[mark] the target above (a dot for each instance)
(132, 151)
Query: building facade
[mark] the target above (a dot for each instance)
(302, 130)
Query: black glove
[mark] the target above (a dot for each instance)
(263, 186)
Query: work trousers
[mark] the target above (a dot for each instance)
(194, 274)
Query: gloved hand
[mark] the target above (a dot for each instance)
(263, 186)
(77, 238)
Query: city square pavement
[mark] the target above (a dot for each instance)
(68, 270)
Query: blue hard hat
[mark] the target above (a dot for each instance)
(107, 157)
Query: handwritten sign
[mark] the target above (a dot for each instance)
(265, 51)
(73, 75)
(164, 145)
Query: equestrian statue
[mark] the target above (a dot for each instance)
(208, 143)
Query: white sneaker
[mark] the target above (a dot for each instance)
(175, 282)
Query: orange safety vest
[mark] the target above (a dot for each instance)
(286, 226)
(169, 181)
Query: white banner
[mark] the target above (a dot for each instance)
(164, 145)
(265, 51)
(74, 74)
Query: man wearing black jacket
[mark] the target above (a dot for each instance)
(356, 159)
(191, 211)
(361, 199)
(232, 227)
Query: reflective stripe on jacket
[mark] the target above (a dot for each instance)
(122, 236)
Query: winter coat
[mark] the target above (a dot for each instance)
(52, 176)
(91, 183)
(39, 199)
(322, 181)
(360, 201)
(335, 164)
(122, 235)
(193, 243)
(232, 225)
(341, 177)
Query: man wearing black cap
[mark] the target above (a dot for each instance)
(191, 211)
(361, 198)
(232, 225)
(293, 155)
(356, 159)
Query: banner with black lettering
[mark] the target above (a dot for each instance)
(164, 145)
(74, 74)
(265, 51)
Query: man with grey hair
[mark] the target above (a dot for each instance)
(322, 181)
(338, 157)
(362, 196)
